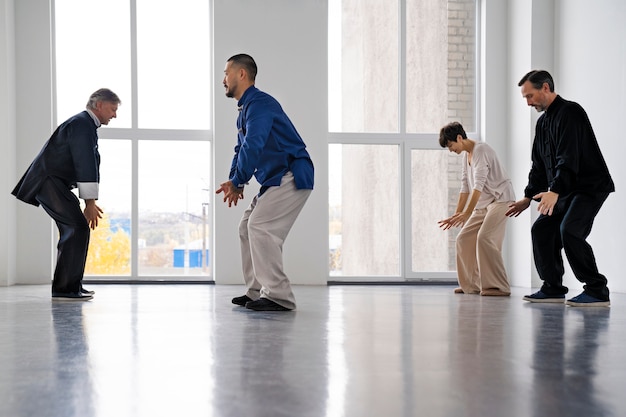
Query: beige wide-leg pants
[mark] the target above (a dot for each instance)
(479, 250)
(262, 231)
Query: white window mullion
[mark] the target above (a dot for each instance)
(53, 58)
(405, 169)
(134, 260)
(402, 67)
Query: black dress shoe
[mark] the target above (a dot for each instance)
(84, 291)
(70, 296)
(263, 304)
(241, 301)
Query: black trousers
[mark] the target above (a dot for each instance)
(64, 208)
(567, 229)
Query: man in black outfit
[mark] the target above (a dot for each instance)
(570, 180)
(70, 159)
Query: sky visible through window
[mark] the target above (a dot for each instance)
(173, 90)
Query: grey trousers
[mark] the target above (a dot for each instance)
(263, 229)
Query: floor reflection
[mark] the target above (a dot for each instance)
(565, 361)
(348, 351)
(73, 385)
(336, 357)
(270, 363)
(480, 359)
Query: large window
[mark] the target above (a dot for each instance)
(155, 169)
(398, 71)
(369, 176)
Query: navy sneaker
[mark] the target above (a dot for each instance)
(585, 300)
(541, 297)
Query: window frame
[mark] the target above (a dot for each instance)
(408, 142)
(135, 135)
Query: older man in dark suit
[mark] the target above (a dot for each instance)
(68, 160)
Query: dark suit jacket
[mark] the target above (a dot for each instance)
(69, 156)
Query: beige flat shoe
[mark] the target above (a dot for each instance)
(495, 293)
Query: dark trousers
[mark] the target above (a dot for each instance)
(567, 229)
(64, 208)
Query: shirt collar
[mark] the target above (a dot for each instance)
(93, 116)
(246, 96)
(556, 103)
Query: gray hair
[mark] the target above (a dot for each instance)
(103, 94)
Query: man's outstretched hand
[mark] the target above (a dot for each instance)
(232, 194)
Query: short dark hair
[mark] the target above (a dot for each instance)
(103, 94)
(537, 78)
(246, 62)
(449, 132)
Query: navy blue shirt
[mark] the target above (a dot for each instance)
(566, 156)
(268, 145)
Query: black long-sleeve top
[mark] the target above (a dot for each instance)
(566, 157)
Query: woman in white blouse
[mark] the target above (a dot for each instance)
(481, 215)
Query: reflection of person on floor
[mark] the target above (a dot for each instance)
(479, 260)
(70, 159)
(478, 347)
(566, 360)
(74, 381)
(270, 148)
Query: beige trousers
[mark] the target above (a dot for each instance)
(262, 231)
(479, 250)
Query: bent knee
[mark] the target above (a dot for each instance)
(569, 232)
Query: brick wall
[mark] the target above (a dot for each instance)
(461, 62)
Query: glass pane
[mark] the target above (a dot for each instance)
(363, 66)
(435, 185)
(173, 64)
(110, 243)
(440, 64)
(92, 51)
(174, 216)
(365, 185)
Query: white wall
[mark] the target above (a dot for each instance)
(530, 45)
(581, 44)
(520, 266)
(494, 85)
(288, 41)
(591, 70)
(34, 243)
(26, 119)
(7, 142)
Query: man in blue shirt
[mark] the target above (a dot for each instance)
(270, 148)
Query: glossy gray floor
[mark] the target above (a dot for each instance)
(184, 350)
